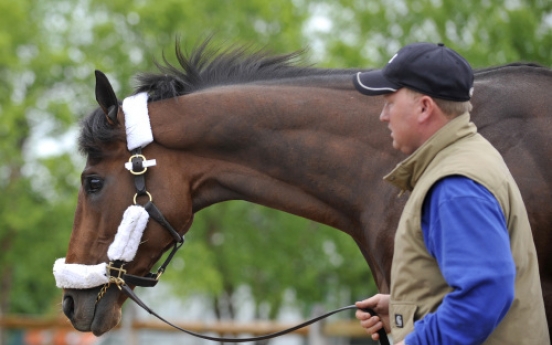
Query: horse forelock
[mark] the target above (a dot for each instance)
(209, 66)
(95, 133)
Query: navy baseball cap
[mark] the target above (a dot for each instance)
(431, 69)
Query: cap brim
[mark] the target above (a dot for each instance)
(374, 83)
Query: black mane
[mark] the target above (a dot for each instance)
(529, 65)
(207, 67)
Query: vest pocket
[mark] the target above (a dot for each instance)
(402, 319)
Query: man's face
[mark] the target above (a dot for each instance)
(400, 112)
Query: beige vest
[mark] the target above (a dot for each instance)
(417, 285)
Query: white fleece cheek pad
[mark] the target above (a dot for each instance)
(124, 248)
(129, 234)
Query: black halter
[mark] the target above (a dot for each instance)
(121, 278)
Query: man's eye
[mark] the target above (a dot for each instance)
(93, 184)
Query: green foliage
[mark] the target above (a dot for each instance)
(44, 237)
(34, 214)
(368, 33)
(236, 244)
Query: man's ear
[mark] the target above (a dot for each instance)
(427, 108)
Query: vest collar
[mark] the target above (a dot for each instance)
(406, 173)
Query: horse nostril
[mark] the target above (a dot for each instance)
(69, 307)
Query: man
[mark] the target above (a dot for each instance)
(465, 269)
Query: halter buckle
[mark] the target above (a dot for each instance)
(144, 164)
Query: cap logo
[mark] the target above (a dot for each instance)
(393, 58)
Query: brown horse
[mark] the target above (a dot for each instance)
(258, 128)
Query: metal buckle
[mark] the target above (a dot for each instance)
(118, 280)
(145, 164)
(159, 274)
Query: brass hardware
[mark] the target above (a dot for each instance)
(118, 280)
(110, 267)
(143, 160)
(147, 193)
(102, 292)
(159, 273)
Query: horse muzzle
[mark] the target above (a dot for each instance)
(88, 314)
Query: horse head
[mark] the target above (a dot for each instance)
(116, 222)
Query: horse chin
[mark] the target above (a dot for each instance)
(88, 316)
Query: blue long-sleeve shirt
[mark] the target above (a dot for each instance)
(465, 230)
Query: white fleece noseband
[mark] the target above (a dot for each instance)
(135, 219)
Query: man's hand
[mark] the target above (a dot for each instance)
(380, 304)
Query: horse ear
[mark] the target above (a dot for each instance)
(106, 98)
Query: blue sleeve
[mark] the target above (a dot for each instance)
(465, 230)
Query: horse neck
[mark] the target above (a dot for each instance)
(303, 150)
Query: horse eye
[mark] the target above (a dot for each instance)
(93, 184)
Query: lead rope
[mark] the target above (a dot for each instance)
(384, 340)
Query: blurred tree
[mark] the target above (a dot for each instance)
(489, 32)
(37, 185)
(33, 193)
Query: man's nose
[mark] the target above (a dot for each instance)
(383, 116)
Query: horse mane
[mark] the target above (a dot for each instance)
(208, 66)
(525, 65)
